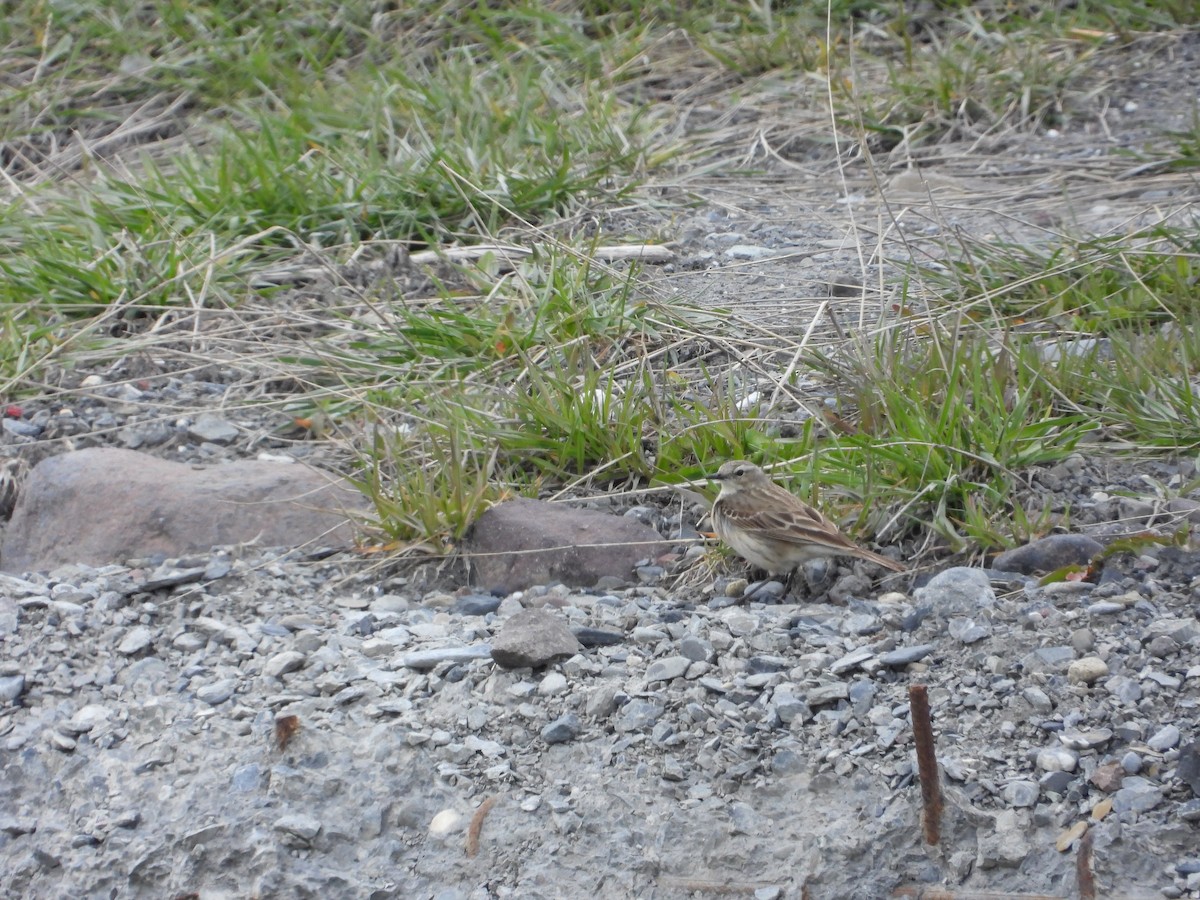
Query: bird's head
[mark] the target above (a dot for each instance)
(737, 475)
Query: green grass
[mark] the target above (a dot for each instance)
(164, 158)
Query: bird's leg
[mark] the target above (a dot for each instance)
(762, 582)
(789, 582)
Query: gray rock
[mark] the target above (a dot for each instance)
(213, 429)
(87, 718)
(1048, 554)
(11, 687)
(1085, 739)
(1057, 759)
(851, 660)
(966, 630)
(696, 649)
(564, 728)
(824, 694)
(533, 638)
(299, 825)
(218, 692)
(1020, 794)
(1188, 770)
(476, 605)
(1137, 795)
(1166, 738)
(1038, 699)
(428, 659)
(958, 591)
(521, 543)
(1048, 659)
(136, 640)
(667, 669)
(1087, 670)
(638, 715)
(282, 663)
(101, 505)
(905, 655)
(597, 637)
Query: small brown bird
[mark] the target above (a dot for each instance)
(774, 530)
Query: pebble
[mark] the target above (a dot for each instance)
(11, 687)
(906, 655)
(668, 669)
(1087, 670)
(218, 692)
(553, 684)
(1166, 738)
(564, 728)
(283, 663)
(1085, 739)
(429, 659)
(136, 640)
(298, 825)
(1020, 794)
(1057, 759)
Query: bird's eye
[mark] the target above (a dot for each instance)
(739, 472)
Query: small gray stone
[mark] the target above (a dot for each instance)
(958, 591)
(597, 637)
(824, 694)
(553, 684)
(1021, 794)
(136, 640)
(299, 825)
(1048, 659)
(638, 715)
(667, 669)
(1166, 738)
(189, 642)
(282, 663)
(428, 659)
(696, 649)
(1056, 782)
(476, 605)
(1084, 739)
(213, 429)
(533, 638)
(1136, 795)
(1131, 763)
(905, 655)
(851, 660)
(87, 718)
(11, 687)
(966, 630)
(1038, 699)
(218, 692)
(564, 728)
(1087, 670)
(1105, 608)
(1057, 759)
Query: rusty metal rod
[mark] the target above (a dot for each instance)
(1083, 868)
(927, 770)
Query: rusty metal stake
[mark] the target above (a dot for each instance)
(927, 770)
(1083, 868)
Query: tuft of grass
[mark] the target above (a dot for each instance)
(946, 421)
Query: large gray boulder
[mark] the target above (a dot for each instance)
(105, 505)
(522, 542)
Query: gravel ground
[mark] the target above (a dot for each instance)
(250, 724)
